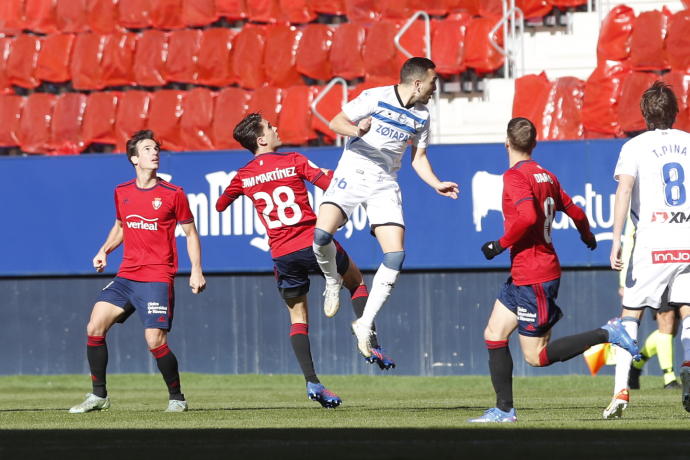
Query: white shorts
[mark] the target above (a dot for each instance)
(378, 193)
(654, 272)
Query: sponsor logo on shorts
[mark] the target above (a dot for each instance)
(154, 308)
(671, 256)
(525, 315)
(670, 217)
(157, 202)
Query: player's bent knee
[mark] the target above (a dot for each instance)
(155, 337)
(322, 237)
(532, 359)
(394, 260)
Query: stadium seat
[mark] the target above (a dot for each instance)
(102, 15)
(567, 3)
(266, 101)
(602, 94)
(164, 118)
(297, 11)
(294, 121)
(380, 54)
(214, 64)
(39, 16)
(166, 14)
(132, 116)
(100, 116)
(562, 118)
(680, 83)
(10, 117)
(363, 11)
(234, 10)
(678, 41)
(197, 13)
(615, 34)
(629, 114)
(5, 50)
(118, 59)
(412, 41)
(346, 51)
(448, 45)
(66, 128)
(471, 7)
(647, 50)
(280, 55)
(333, 7)
(183, 48)
(314, 50)
(529, 100)
(231, 107)
(85, 65)
(34, 127)
(328, 107)
(197, 119)
(149, 58)
(11, 17)
(265, 11)
(54, 57)
(71, 16)
(22, 60)
(134, 14)
(534, 8)
(479, 54)
(247, 57)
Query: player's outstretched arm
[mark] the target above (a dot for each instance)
(196, 280)
(620, 213)
(342, 125)
(422, 166)
(113, 240)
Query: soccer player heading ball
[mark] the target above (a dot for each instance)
(147, 211)
(527, 301)
(380, 123)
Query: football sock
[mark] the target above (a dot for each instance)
(664, 350)
(167, 364)
(381, 287)
(568, 347)
(97, 355)
(359, 299)
(325, 256)
(501, 368)
(685, 338)
(299, 338)
(623, 358)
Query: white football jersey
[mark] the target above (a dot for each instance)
(393, 126)
(659, 161)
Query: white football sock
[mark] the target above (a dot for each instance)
(325, 256)
(381, 287)
(624, 359)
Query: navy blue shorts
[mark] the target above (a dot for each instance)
(292, 270)
(153, 301)
(534, 305)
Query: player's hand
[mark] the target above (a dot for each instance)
(449, 189)
(363, 126)
(99, 262)
(491, 249)
(197, 282)
(616, 258)
(590, 241)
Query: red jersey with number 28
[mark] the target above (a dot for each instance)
(531, 197)
(275, 184)
(149, 217)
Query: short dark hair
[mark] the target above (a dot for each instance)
(415, 68)
(134, 140)
(659, 106)
(522, 135)
(248, 130)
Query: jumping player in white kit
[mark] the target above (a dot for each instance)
(651, 174)
(380, 123)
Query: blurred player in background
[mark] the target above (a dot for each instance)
(527, 301)
(380, 123)
(651, 173)
(147, 212)
(275, 184)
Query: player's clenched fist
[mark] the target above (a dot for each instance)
(99, 262)
(491, 249)
(197, 282)
(363, 126)
(590, 241)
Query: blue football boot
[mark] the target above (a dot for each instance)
(619, 336)
(317, 392)
(496, 415)
(378, 356)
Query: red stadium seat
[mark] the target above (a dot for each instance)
(678, 41)
(100, 116)
(132, 116)
(529, 101)
(328, 107)
(448, 45)
(183, 48)
(118, 59)
(313, 52)
(647, 50)
(346, 55)
(534, 8)
(297, 11)
(363, 11)
(214, 64)
(164, 118)
(166, 14)
(11, 17)
(267, 11)
(68, 115)
(231, 107)
(247, 58)
(149, 58)
(22, 61)
(199, 12)
(294, 121)
(280, 55)
(471, 7)
(134, 14)
(54, 58)
(602, 93)
(34, 127)
(197, 119)
(39, 16)
(87, 57)
(5, 50)
(412, 41)
(72, 16)
(629, 113)
(479, 54)
(266, 101)
(380, 54)
(567, 3)
(562, 116)
(334, 7)
(232, 9)
(102, 15)
(396, 9)
(10, 117)
(615, 34)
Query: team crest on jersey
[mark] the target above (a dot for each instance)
(157, 203)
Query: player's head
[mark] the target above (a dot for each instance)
(255, 134)
(522, 135)
(659, 106)
(142, 150)
(419, 73)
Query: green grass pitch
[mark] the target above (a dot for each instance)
(263, 416)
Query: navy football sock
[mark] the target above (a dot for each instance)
(167, 364)
(501, 368)
(97, 355)
(299, 338)
(568, 347)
